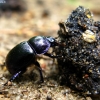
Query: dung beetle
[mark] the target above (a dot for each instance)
(24, 54)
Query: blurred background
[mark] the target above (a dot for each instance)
(23, 19)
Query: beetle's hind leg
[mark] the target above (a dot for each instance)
(14, 77)
(40, 71)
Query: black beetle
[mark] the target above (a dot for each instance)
(24, 54)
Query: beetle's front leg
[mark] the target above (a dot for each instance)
(52, 56)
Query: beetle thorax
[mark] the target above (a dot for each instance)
(40, 44)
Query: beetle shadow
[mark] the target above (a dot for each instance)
(32, 76)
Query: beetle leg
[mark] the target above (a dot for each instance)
(40, 71)
(13, 77)
(52, 56)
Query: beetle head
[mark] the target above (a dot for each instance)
(52, 41)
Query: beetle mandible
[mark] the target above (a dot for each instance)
(24, 54)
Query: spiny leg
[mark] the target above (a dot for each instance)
(14, 77)
(40, 71)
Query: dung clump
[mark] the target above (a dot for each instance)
(80, 66)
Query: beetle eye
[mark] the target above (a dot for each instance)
(50, 39)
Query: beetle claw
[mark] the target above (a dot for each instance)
(8, 83)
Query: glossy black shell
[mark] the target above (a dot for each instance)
(20, 57)
(24, 54)
(40, 44)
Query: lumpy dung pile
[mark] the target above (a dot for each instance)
(80, 66)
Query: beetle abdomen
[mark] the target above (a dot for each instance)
(19, 57)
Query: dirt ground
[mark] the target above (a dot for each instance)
(36, 17)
